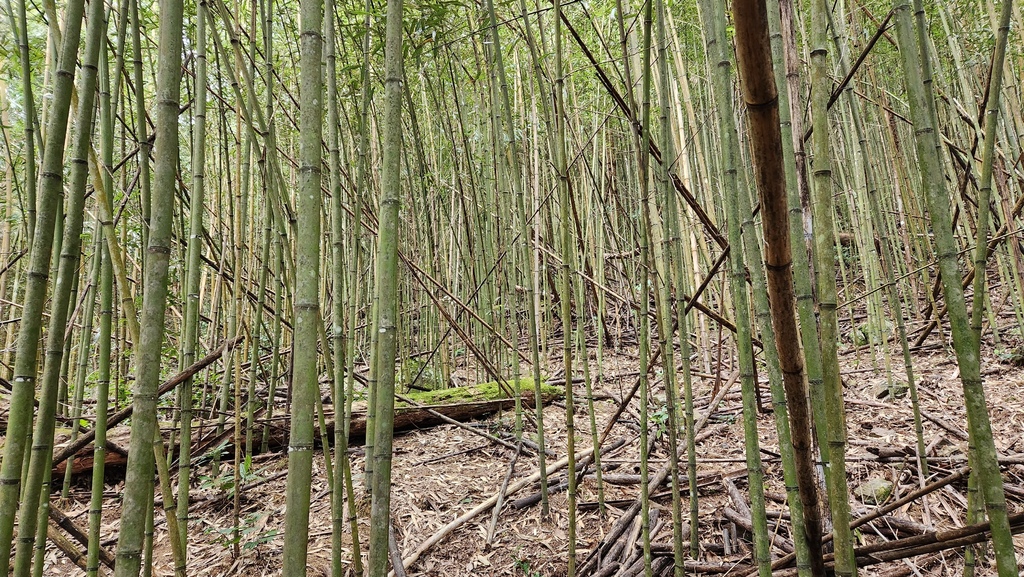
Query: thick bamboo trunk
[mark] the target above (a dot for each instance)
(760, 95)
(307, 278)
(387, 293)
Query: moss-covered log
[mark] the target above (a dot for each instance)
(459, 403)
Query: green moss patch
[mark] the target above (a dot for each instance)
(489, 391)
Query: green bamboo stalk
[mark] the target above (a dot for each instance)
(599, 233)
(84, 350)
(35, 496)
(304, 350)
(105, 339)
(796, 188)
(240, 222)
(231, 256)
(588, 382)
(387, 291)
(661, 280)
(644, 352)
(39, 548)
(25, 368)
(64, 375)
(354, 285)
(321, 417)
(167, 494)
(888, 258)
(531, 271)
(370, 444)
(255, 122)
(24, 374)
(141, 127)
(981, 245)
(987, 157)
(338, 396)
(675, 274)
(713, 15)
(565, 286)
(780, 411)
(190, 332)
(102, 393)
(276, 340)
(825, 253)
(965, 344)
(257, 337)
(924, 48)
(20, 29)
(139, 476)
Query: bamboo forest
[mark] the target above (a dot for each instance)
(528, 288)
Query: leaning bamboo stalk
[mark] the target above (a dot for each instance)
(964, 343)
(917, 545)
(981, 245)
(24, 374)
(35, 498)
(883, 511)
(631, 114)
(987, 157)
(167, 386)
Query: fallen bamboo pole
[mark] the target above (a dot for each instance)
(932, 542)
(60, 519)
(879, 512)
(169, 385)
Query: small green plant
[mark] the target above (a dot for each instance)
(524, 566)
(660, 418)
(226, 481)
(221, 482)
(250, 532)
(1014, 357)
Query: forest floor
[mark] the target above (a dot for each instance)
(432, 485)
